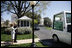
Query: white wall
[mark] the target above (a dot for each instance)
(41, 21)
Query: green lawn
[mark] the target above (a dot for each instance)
(49, 28)
(5, 37)
(38, 44)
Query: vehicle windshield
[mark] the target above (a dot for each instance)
(68, 17)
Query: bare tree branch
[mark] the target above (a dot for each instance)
(22, 4)
(28, 5)
(3, 10)
(13, 6)
(20, 8)
(5, 3)
(24, 8)
(11, 12)
(31, 8)
(27, 8)
(36, 3)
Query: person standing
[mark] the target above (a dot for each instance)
(13, 33)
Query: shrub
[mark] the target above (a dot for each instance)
(8, 31)
(3, 30)
(24, 30)
(21, 30)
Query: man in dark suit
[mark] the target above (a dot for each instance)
(15, 34)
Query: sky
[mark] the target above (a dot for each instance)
(55, 7)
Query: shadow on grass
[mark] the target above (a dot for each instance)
(51, 43)
(45, 42)
(6, 43)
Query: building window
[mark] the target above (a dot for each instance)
(18, 23)
(27, 23)
(21, 23)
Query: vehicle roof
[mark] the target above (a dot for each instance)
(63, 12)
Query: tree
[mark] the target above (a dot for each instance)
(20, 8)
(36, 16)
(7, 23)
(2, 19)
(35, 21)
(47, 21)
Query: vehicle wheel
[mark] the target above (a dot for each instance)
(55, 38)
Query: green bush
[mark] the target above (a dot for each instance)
(24, 30)
(3, 30)
(8, 30)
(21, 30)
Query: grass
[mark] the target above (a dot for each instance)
(6, 37)
(2, 29)
(49, 28)
(38, 44)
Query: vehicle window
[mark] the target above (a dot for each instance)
(68, 28)
(58, 23)
(68, 17)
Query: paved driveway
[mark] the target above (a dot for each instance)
(46, 38)
(43, 33)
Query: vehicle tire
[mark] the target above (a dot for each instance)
(55, 38)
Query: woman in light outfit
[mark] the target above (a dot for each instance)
(13, 32)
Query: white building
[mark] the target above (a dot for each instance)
(2, 22)
(41, 22)
(24, 21)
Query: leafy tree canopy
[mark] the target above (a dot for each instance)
(20, 8)
(47, 21)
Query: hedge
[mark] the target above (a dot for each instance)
(20, 30)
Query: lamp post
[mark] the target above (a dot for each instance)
(32, 3)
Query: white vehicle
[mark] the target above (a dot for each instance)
(62, 27)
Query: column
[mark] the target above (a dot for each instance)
(20, 23)
(26, 23)
(23, 23)
(29, 23)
